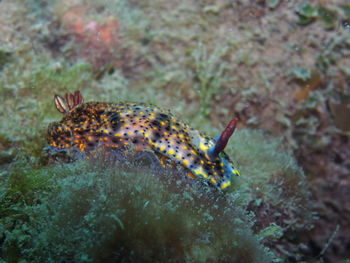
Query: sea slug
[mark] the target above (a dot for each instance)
(142, 126)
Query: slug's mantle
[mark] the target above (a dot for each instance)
(141, 126)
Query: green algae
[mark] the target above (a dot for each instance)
(308, 13)
(129, 212)
(5, 57)
(209, 73)
(301, 73)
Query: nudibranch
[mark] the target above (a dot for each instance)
(142, 126)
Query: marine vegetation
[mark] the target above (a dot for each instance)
(78, 193)
(103, 210)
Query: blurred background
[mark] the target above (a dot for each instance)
(282, 67)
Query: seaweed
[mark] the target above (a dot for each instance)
(133, 215)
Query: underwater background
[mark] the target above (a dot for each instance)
(281, 67)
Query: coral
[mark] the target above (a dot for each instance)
(97, 40)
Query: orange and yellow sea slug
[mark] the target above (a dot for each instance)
(142, 126)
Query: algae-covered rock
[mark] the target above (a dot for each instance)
(101, 211)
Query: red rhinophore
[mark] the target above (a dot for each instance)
(69, 102)
(224, 137)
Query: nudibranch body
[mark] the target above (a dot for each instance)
(142, 126)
